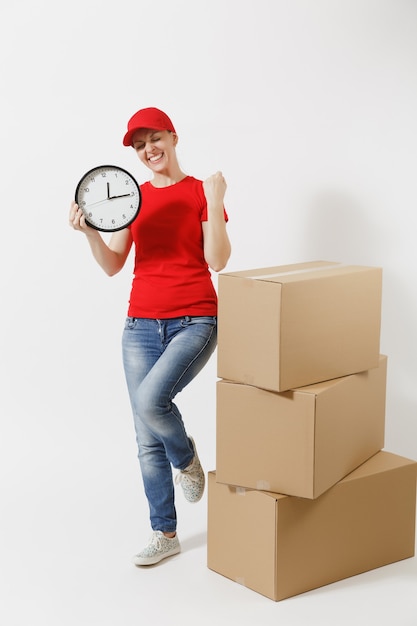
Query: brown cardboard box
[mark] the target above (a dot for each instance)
(299, 442)
(281, 546)
(295, 325)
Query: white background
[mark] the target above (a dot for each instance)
(309, 109)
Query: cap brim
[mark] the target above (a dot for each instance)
(127, 139)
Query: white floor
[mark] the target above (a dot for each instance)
(69, 528)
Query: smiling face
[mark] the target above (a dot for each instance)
(156, 149)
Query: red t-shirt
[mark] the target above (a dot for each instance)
(171, 276)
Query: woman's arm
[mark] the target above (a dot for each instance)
(217, 248)
(112, 256)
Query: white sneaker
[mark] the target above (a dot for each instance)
(192, 478)
(158, 548)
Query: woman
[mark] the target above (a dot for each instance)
(170, 330)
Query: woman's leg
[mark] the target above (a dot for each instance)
(161, 357)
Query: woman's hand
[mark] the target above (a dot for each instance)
(216, 242)
(214, 189)
(77, 219)
(110, 256)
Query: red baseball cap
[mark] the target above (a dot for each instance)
(151, 118)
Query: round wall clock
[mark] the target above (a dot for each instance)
(109, 197)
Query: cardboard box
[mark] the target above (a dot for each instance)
(281, 546)
(295, 325)
(299, 442)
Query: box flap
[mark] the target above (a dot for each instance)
(298, 271)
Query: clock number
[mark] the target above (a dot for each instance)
(104, 174)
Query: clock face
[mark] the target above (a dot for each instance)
(109, 197)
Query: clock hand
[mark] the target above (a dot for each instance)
(87, 206)
(108, 191)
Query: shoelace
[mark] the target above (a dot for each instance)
(155, 541)
(186, 474)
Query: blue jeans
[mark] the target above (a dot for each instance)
(160, 358)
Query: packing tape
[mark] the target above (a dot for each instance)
(263, 485)
(301, 271)
(240, 491)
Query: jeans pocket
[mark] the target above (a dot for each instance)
(187, 320)
(129, 323)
